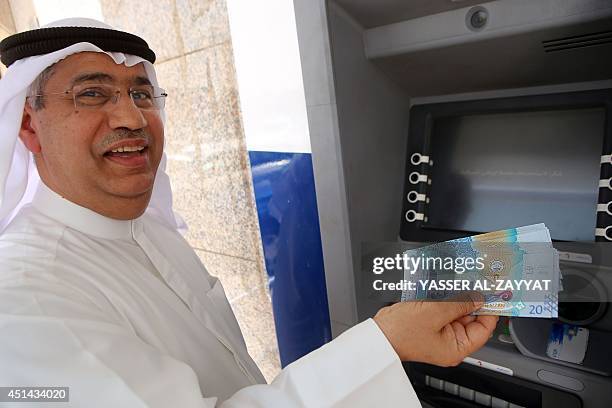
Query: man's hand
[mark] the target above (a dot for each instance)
(441, 333)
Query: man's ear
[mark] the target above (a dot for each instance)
(27, 133)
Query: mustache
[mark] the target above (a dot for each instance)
(122, 134)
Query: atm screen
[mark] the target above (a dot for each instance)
(501, 170)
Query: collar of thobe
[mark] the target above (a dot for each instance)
(80, 218)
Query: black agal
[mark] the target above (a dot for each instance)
(46, 40)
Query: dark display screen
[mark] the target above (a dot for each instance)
(495, 171)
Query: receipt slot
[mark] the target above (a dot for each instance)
(431, 121)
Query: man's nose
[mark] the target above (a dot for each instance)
(124, 114)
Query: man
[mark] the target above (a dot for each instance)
(98, 290)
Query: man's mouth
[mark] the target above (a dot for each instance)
(128, 154)
(127, 151)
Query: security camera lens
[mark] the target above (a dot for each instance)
(476, 18)
(479, 19)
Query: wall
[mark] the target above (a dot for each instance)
(7, 25)
(207, 158)
(24, 15)
(373, 123)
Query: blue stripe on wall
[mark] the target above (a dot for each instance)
(289, 224)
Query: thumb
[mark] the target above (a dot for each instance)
(456, 307)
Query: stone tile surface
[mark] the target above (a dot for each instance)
(250, 301)
(239, 276)
(203, 23)
(207, 158)
(171, 27)
(7, 26)
(6, 17)
(24, 15)
(155, 21)
(256, 320)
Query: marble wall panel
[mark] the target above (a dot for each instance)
(255, 311)
(238, 275)
(155, 21)
(6, 17)
(7, 26)
(24, 15)
(172, 27)
(206, 151)
(250, 302)
(203, 23)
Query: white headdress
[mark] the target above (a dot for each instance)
(18, 175)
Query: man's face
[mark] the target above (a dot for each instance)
(77, 149)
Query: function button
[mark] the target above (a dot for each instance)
(499, 403)
(466, 393)
(482, 399)
(436, 383)
(451, 388)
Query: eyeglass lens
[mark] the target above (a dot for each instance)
(146, 97)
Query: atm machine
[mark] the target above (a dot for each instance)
(435, 119)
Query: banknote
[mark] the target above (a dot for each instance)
(530, 234)
(512, 260)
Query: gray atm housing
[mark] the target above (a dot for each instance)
(365, 63)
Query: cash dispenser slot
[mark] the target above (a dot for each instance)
(531, 335)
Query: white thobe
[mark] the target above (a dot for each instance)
(125, 314)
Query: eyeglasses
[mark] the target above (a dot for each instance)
(88, 96)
